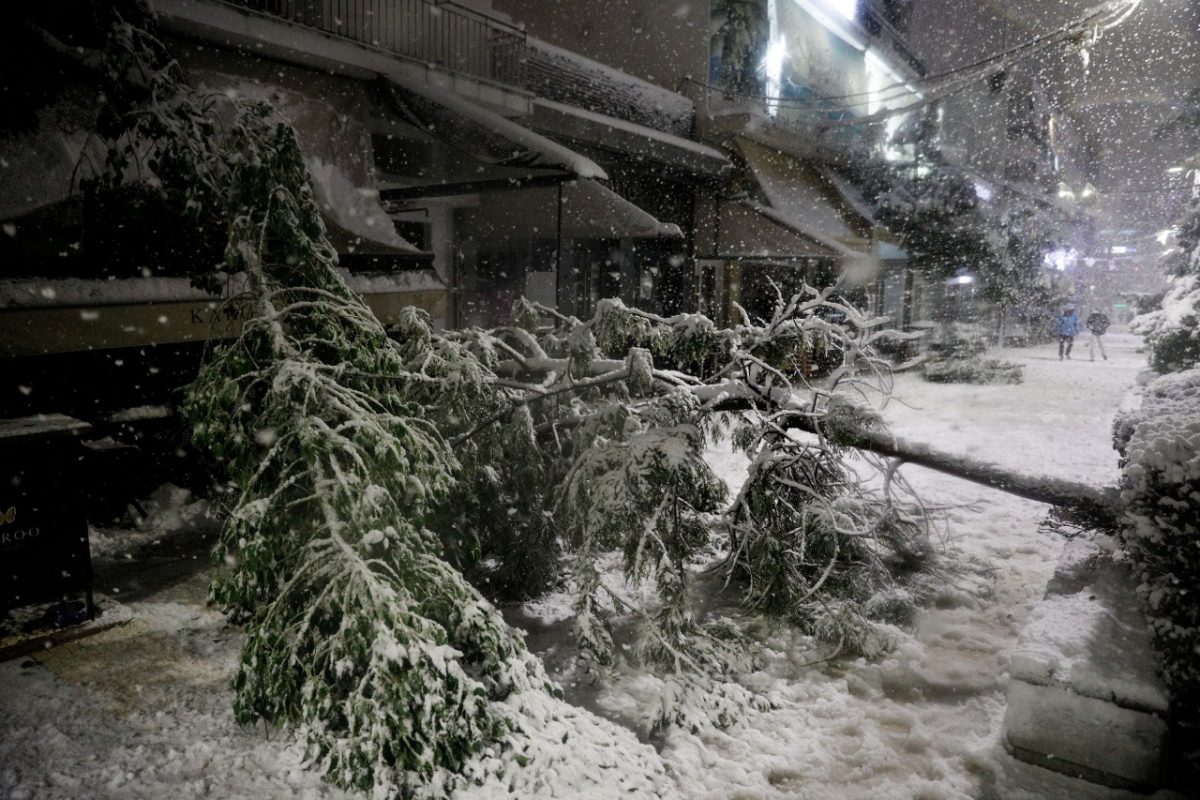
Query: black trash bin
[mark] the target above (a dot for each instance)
(44, 551)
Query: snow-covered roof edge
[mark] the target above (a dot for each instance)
(633, 128)
(650, 225)
(796, 226)
(554, 152)
(657, 97)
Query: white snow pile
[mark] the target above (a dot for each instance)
(569, 752)
(1161, 492)
(171, 509)
(142, 712)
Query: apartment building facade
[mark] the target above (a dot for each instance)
(468, 153)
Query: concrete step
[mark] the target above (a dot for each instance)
(1084, 695)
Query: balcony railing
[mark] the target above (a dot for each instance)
(460, 39)
(438, 32)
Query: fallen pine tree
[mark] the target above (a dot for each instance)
(387, 486)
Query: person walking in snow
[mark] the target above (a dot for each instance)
(1097, 323)
(1068, 328)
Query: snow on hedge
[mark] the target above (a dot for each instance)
(1160, 444)
(1173, 331)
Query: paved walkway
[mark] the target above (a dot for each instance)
(926, 721)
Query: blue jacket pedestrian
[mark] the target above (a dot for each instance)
(1068, 323)
(1068, 329)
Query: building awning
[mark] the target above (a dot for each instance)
(337, 152)
(590, 210)
(683, 154)
(851, 196)
(885, 245)
(593, 211)
(494, 140)
(751, 230)
(796, 225)
(804, 200)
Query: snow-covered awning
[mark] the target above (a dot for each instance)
(589, 210)
(851, 196)
(798, 195)
(593, 211)
(629, 137)
(750, 230)
(798, 226)
(484, 134)
(336, 146)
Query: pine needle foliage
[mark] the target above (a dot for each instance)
(806, 541)
(357, 630)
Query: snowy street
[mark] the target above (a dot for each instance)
(144, 710)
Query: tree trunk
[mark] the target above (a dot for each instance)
(1080, 503)
(1083, 504)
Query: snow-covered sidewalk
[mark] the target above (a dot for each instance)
(925, 722)
(144, 710)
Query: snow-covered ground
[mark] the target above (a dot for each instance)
(144, 710)
(925, 722)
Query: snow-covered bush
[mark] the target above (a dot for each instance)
(973, 370)
(1165, 394)
(1160, 446)
(1173, 330)
(960, 360)
(1160, 450)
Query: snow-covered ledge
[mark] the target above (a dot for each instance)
(1084, 697)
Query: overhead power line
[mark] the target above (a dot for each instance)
(1085, 29)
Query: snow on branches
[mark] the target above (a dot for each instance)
(1161, 476)
(805, 541)
(1173, 330)
(1160, 448)
(402, 677)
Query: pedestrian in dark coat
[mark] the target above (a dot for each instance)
(1097, 323)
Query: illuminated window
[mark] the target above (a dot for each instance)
(773, 67)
